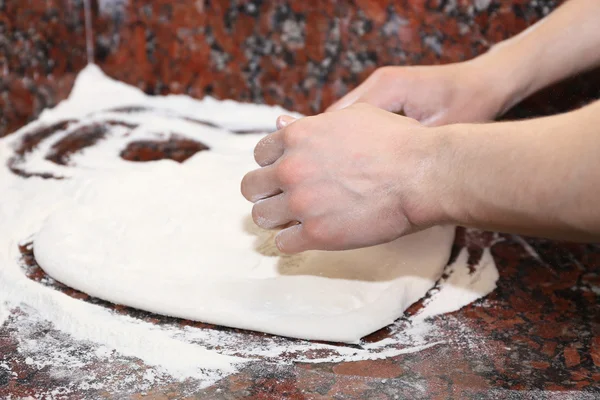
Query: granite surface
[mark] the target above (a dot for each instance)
(302, 55)
(539, 331)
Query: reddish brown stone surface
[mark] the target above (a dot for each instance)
(176, 149)
(42, 47)
(540, 326)
(529, 336)
(302, 55)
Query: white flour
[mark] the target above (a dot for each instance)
(178, 240)
(461, 286)
(80, 334)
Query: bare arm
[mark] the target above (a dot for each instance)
(563, 44)
(363, 176)
(538, 177)
(359, 176)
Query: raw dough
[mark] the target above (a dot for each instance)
(178, 240)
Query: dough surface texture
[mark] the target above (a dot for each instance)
(177, 239)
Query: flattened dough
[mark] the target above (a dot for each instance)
(178, 240)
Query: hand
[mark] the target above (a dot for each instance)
(434, 95)
(345, 179)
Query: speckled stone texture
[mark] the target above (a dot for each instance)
(541, 326)
(302, 55)
(42, 47)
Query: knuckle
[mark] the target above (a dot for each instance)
(299, 203)
(316, 231)
(288, 171)
(283, 172)
(291, 135)
(295, 133)
(378, 74)
(383, 73)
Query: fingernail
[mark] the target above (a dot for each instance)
(284, 120)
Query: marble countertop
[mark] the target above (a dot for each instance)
(537, 334)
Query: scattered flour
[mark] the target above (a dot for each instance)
(77, 334)
(461, 286)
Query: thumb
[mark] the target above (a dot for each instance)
(359, 94)
(381, 90)
(346, 101)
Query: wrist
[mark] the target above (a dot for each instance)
(505, 74)
(445, 172)
(431, 199)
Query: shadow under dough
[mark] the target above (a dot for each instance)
(349, 265)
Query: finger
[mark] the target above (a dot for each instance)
(349, 99)
(260, 184)
(271, 147)
(292, 240)
(438, 119)
(366, 92)
(378, 97)
(381, 89)
(283, 121)
(272, 212)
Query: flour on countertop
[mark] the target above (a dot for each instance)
(78, 334)
(461, 286)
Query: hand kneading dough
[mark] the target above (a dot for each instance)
(178, 240)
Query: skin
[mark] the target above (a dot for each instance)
(537, 177)
(360, 175)
(561, 45)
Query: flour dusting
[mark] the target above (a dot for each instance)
(462, 286)
(63, 334)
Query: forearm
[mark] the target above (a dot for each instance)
(537, 177)
(563, 44)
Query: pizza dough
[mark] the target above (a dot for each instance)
(178, 240)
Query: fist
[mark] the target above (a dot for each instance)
(341, 180)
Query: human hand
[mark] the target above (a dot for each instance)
(435, 95)
(350, 178)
